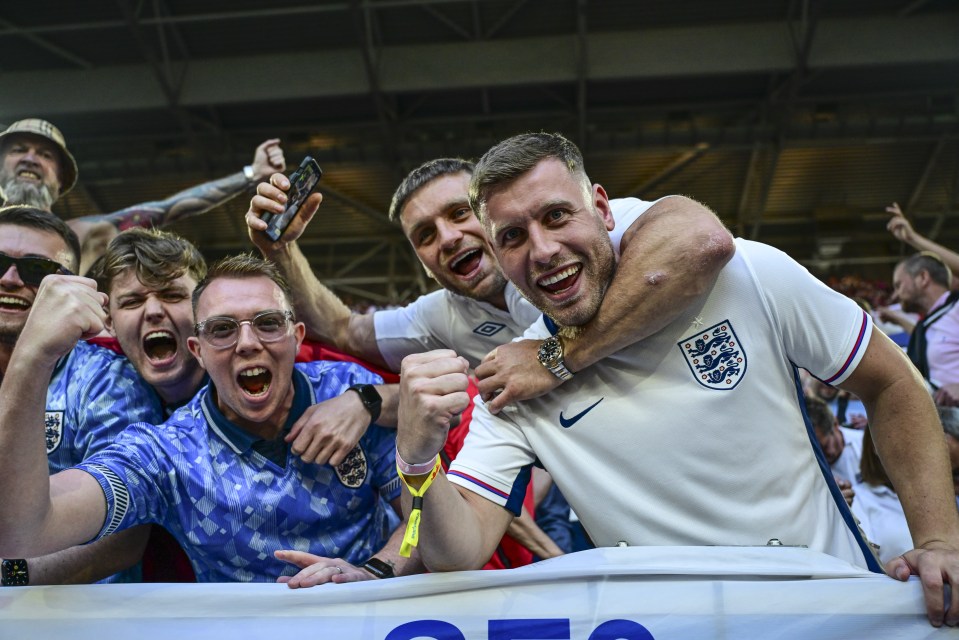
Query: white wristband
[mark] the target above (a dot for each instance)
(248, 173)
(414, 469)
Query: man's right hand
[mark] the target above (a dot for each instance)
(67, 309)
(898, 226)
(271, 198)
(433, 390)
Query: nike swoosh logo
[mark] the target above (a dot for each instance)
(569, 422)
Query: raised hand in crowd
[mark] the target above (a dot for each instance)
(268, 158)
(433, 391)
(900, 227)
(79, 309)
(271, 198)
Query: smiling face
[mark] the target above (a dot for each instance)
(449, 240)
(253, 379)
(152, 325)
(29, 173)
(16, 297)
(551, 237)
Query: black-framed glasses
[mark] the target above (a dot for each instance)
(222, 332)
(32, 269)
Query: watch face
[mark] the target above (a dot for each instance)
(15, 573)
(368, 394)
(551, 351)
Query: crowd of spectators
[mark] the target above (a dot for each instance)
(166, 385)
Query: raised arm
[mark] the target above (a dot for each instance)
(458, 529)
(96, 231)
(909, 441)
(901, 228)
(267, 158)
(326, 317)
(40, 514)
(670, 255)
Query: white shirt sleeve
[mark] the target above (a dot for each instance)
(823, 331)
(408, 330)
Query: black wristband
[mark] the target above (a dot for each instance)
(378, 568)
(370, 398)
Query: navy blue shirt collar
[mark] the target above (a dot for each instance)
(241, 440)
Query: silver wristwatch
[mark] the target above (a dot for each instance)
(551, 356)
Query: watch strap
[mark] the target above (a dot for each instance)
(378, 568)
(560, 371)
(370, 398)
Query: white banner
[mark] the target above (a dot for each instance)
(639, 593)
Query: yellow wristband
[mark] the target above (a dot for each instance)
(412, 536)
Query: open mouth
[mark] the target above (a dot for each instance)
(466, 263)
(26, 174)
(255, 381)
(159, 346)
(561, 280)
(9, 303)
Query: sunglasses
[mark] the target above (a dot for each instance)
(30, 269)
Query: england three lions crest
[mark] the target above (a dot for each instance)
(53, 430)
(715, 356)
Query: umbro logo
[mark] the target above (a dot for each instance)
(566, 423)
(488, 329)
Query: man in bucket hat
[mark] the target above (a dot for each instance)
(36, 169)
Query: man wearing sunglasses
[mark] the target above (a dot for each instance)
(36, 169)
(91, 394)
(217, 474)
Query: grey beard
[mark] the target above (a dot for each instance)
(40, 197)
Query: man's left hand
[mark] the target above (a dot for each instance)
(319, 570)
(935, 568)
(514, 370)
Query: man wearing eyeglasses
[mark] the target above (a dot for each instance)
(217, 474)
(89, 396)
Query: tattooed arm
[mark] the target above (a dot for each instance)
(96, 231)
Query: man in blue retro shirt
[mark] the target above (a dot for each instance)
(91, 393)
(218, 474)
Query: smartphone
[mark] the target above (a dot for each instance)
(302, 183)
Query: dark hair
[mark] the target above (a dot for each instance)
(513, 157)
(423, 174)
(820, 415)
(928, 261)
(949, 417)
(244, 265)
(157, 257)
(26, 216)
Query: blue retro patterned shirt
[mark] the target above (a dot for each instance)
(93, 395)
(230, 507)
